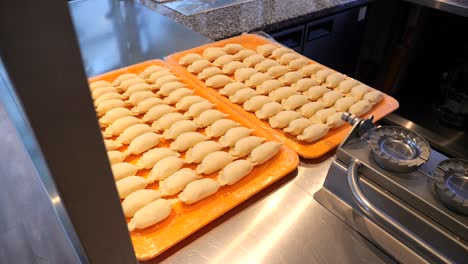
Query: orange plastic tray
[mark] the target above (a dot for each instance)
(186, 219)
(306, 150)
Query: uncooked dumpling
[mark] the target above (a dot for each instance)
(198, 190)
(316, 92)
(220, 127)
(214, 162)
(359, 91)
(244, 74)
(313, 133)
(294, 101)
(156, 112)
(257, 79)
(177, 181)
(268, 86)
(102, 90)
(208, 117)
(108, 96)
(165, 167)
(297, 64)
(232, 88)
(290, 77)
(329, 98)
(138, 87)
(187, 101)
(374, 96)
(152, 156)
(344, 103)
(245, 145)
(115, 114)
(346, 85)
(264, 65)
(111, 144)
(97, 84)
(234, 172)
(189, 59)
(105, 106)
(151, 214)
(360, 108)
(264, 152)
(287, 57)
(268, 110)
(233, 48)
(322, 75)
(151, 69)
(167, 120)
(282, 93)
(132, 132)
(233, 135)
(187, 140)
(277, 71)
(196, 109)
(242, 95)
(145, 105)
(252, 60)
(137, 97)
(304, 84)
(180, 127)
(201, 150)
(116, 156)
(334, 79)
(123, 169)
(123, 77)
(278, 52)
(218, 81)
(129, 185)
(311, 108)
(177, 95)
(209, 72)
(198, 66)
(335, 120)
(282, 119)
(156, 75)
(212, 53)
(244, 54)
(256, 102)
(232, 66)
(143, 143)
(323, 114)
(124, 85)
(138, 200)
(297, 126)
(310, 69)
(266, 49)
(168, 88)
(223, 60)
(166, 79)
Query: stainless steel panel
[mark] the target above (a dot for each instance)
(458, 7)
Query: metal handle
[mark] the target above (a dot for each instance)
(375, 213)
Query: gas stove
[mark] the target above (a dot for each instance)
(389, 185)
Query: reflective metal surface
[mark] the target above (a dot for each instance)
(458, 7)
(193, 7)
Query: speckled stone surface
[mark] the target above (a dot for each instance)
(266, 15)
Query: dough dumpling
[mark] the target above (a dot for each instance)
(105, 106)
(268, 86)
(322, 75)
(311, 108)
(252, 60)
(244, 74)
(334, 79)
(137, 97)
(151, 69)
(297, 126)
(123, 77)
(187, 101)
(196, 109)
(145, 105)
(168, 88)
(119, 125)
(179, 128)
(151, 214)
(165, 167)
(111, 144)
(223, 60)
(220, 127)
(116, 156)
(212, 53)
(198, 66)
(214, 162)
(360, 108)
(268, 110)
(346, 85)
(242, 95)
(244, 54)
(138, 200)
(233, 135)
(235, 171)
(138, 87)
(167, 120)
(264, 65)
(282, 119)
(152, 156)
(189, 59)
(218, 81)
(232, 88)
(374, 96)
(166, 79)
(335, 120)
(98, 84)
(125, 84)
(143, 143)
(264, 152)
(359, 91)
(304, 84)
(288, 57)
(329, 98)
(187, 140)
(208, 117)
(313, 133)
(114, 114)
(108, 96)
(198, 190)
(277, 71)
(266, 49)
(245, 145)
(323, 114)
(344, 103)
(282, 93)
(278, 52)
(177, 181)
(233, 48)
(156, 112)
(132, 132)
(290, 77)
(316, 92)
(294, 101)
(201, 150)
(297, 64)
(156, 75)
(209, 72)
(310, 69)
(123, 169)
(257, 79)
(232, 66)
(129, 185)
(177, 95)
(256, 102)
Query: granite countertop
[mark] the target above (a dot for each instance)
(266, 15)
